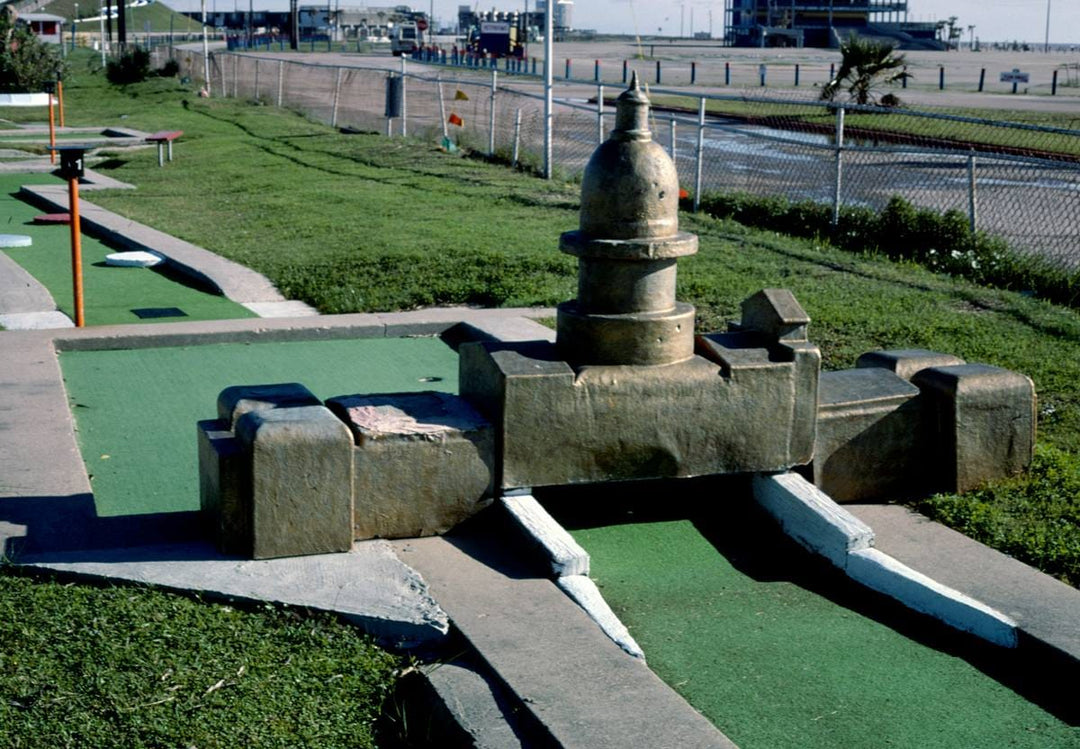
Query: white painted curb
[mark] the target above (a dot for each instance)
(880, 572)
(586, 595)
(820, 525)
(811, 517)
(26, 100)
(564, 554)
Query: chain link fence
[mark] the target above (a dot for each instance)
(1018, 181)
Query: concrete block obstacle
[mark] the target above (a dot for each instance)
(985, 422)
(910, 422)
(422, 462)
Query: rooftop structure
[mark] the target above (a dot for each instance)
(822, 23)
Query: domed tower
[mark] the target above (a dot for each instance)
(627, 247)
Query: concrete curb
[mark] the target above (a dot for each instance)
(585, 594)
(562, 554)
(234, 281)
(568, 563)
(369, 585)
(817, 523)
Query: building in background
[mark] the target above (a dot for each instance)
(823, 23)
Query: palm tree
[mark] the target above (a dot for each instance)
(866, 64)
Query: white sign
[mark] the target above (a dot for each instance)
(495, 27)
(1015, 76)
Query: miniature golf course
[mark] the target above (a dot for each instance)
(135, 410)
(756, 634)
(779, 650)
(113, 295)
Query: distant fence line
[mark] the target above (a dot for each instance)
(1020, 182)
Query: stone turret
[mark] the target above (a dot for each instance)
(627, 247)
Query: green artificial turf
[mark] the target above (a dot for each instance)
(757, 638)
(136, 410)
(111, 295)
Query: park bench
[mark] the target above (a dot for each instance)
(164, 140)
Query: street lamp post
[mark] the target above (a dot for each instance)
(205, 50)
(1046, 44)
(549, 50)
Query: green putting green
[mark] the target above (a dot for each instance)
(111, 295)
(744, 628)
(135, 410)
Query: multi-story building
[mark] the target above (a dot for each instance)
(822, 23)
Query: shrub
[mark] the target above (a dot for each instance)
(942, 242)
(26, 64)
(1034, 517)
(132, 66)
(170, 69)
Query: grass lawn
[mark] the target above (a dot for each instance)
(85, 666)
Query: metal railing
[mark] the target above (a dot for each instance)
(1017, 181)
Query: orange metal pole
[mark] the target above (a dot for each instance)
(76, 250)
(52, 130)
(60, 97)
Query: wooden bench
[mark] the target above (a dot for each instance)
(164, 140)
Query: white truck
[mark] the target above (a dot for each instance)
(405, 40)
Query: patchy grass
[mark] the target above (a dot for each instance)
(1035, 517)
(127, 667)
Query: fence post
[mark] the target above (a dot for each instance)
(727, 73)
(567, 76)
(596, 70)
(700, 153)
(832, 70)
(224, 84)
(982, 79)
(337, 98)
(517, 135)
(280, 81)
(599, 113)
(973, 213)
(625, 70)
(693, 73)
(839, 164)
(256, 79)
(941, 78)
(236, 77)
(491, 121)
(796, 74)
(672, 138)
(442, 110)
(903, 81)
(1053, 84)
(761, 69)
(404, 99)
(657, 72)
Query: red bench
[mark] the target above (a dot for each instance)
(164, 140)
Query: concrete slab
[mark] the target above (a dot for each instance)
(20, 291)
(369, 585)
(291, 308)
(1046, 611)
(578, 684)
(463, 705)
(35, 320)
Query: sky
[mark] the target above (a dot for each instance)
(994, 20)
